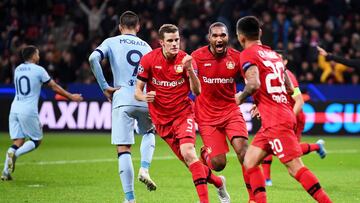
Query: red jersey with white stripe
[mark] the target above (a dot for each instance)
(271, 98)
(169, 80)
(217, 77)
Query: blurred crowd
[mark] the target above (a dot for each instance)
(67, 31)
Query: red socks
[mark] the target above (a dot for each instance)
(247, 183)
(257, 182)
(311, 184)
(200, 182)
(307, 148)
(211, 178)
(266, 164)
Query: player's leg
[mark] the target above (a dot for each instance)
(266, 166)
(213, 153)
(307, 179)
(285, 146)
(147, 146)
(18, 137)
(31, 127)
(236, 131)
(256, 152)
(122, 135)
(306, 148)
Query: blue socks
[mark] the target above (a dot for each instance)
(126, 172)
(147, 149)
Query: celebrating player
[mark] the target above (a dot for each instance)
(24, 117)
(296, 102)
(124, 52)
(216, 111)
(169, 75)
(264, 73)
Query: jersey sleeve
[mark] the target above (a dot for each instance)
(246, 61)
(103, 49)
(292, 78)
(44, 76)
(143, 70)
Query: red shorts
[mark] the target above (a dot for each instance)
(178, 132)
(214, 136)
(300, 124)
(278, 140)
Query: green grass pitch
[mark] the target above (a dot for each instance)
(73, 167)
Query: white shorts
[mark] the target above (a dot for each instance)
(24, 126)
(123, 123)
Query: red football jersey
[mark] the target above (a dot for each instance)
(171, 83)
(271, 98)
(218, 87)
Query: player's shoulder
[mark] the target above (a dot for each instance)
(152, 55)
(233, 51)
(200, 51)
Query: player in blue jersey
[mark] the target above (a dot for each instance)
(124, 53)
(24, 119)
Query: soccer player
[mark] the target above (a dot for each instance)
(169, 75)
(24, 117)
(264, 73)
(295, 103)
(216, 111)
(124, 53)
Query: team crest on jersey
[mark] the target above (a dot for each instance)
(179, 68)
(230, 65)
(140, 69)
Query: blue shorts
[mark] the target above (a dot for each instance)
(24, 126)
(124, 121)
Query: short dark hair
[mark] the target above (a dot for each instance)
(167, 28)
(249, 26)
(217, 24)
(129, 19)
(28, 52)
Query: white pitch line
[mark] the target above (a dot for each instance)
(85, 161)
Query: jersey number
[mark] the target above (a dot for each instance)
(277, 74)
(276, 146)
(130, 57)
(22, 85)
(190, 123)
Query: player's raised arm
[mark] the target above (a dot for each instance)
(252, 84)
(194, 80)
(58, 89)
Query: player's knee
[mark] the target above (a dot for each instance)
(218, 166)
(189, 156)
(37, 143)
(248, 163)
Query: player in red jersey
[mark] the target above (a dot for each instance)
(169, 75)
(295, 103)
(265, 81)
(216, 111)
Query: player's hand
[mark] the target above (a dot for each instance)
(76, 97)
(237, 98)
(150, 96)
(322, 51)
(186, 61)
(108, 92)
(254, 111)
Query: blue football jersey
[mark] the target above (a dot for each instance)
(28, 79)
(124, 53)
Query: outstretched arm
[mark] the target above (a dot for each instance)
(252, 84)
(58, 89)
